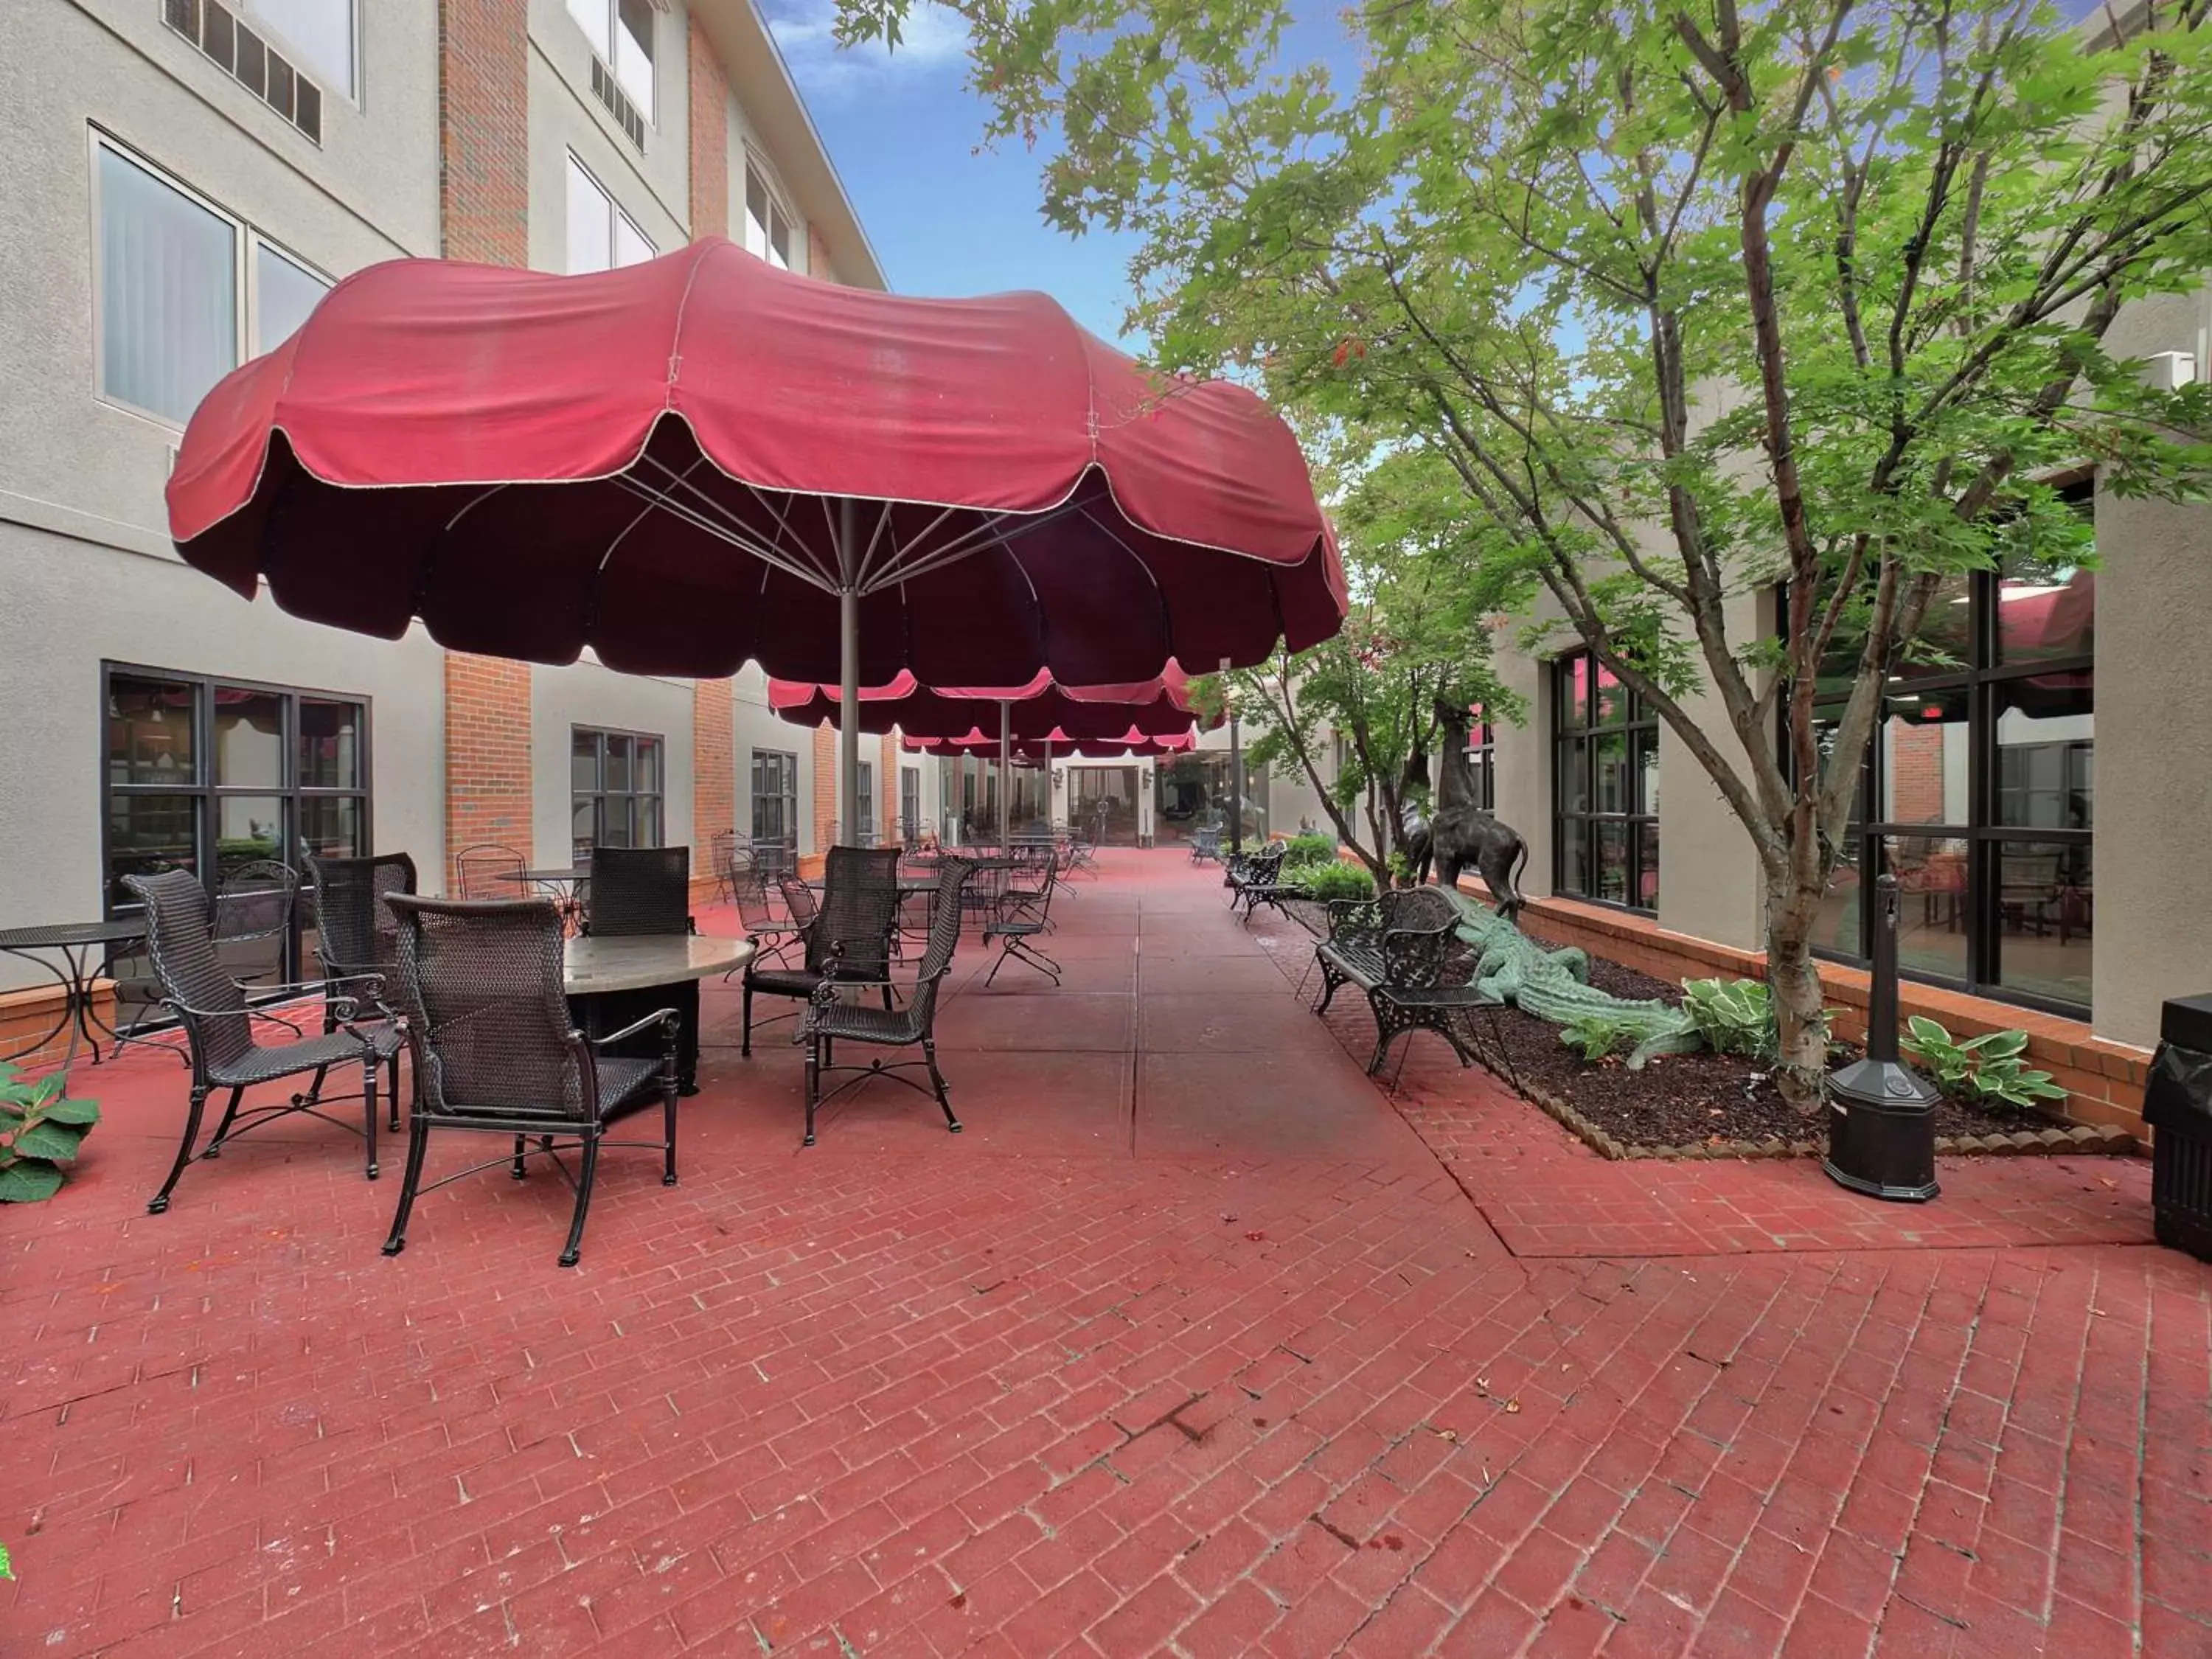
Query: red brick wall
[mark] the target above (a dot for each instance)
(825, 786)
(714, 773)
(887, 791)
(710, 138)
(487, 755)
(483, 130)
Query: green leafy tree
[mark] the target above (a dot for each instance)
(1688, 300)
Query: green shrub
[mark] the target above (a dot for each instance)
(40, 1129)
(1989, 1068)
(1594, 1036)
(1332, 880)
(1311, 848)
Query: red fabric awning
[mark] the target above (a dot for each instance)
(681, 464)
(1158, 706)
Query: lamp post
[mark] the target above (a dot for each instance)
(1881, 1113)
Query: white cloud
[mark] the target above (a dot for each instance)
(932, 41)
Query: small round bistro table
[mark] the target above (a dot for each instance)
(612, 982)
(85, 948)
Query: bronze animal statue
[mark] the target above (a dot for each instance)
(1461, 836)
(1414, 839)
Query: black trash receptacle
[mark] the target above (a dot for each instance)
(2177, 1104)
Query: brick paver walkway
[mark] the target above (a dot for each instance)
(1195, 1342)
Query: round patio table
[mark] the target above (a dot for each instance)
(86, 949)
(612, 980)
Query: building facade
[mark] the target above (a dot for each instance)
(185, 178)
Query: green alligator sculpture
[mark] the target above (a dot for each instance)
(1554, 986)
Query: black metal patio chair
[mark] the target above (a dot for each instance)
(211, 1005)
(1024, 913)
(477, 988)
(254, 902)
(847, 938)
(489, 870)
(772, 934)
(356, 935)
(831, 1019)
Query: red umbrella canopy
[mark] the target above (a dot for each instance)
(1132, 744)
(693, 462)
(1035, 710)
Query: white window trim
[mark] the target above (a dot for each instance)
(246, 241)
(614, 206)
(755, 163)
(299, 59)
(614, 22)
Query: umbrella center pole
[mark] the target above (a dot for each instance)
(848, 664)
(1005, 779)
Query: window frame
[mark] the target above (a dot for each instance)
(756, 167)
(650, 109)
(1482, 757)
(351, 94)
(1981, 681)
(206, 792)
(616, 215)
(909, 802)
(247, 241)
(599, 796)
(1639, 730)
(787, 798)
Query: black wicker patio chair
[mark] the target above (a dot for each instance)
(847, 938)
(356, 935)
(831, 1019)
(639, 891)
(219, 1027)
(477, 988)
(254, 902)
(1024, 913)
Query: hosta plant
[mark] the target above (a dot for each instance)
(1989, 1068)
(40, 1129)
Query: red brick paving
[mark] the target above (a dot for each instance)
(1190, 1346)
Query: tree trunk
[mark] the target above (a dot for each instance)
(1793, 979)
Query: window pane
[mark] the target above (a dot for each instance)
(1932, 910)
(1924, 751)
(590, 222)
(584, 762)
(593, 17)
(1613, 862)
(146, 833)
(1944, 644)
(284, 293)
(1648, 876)
(1610, 753)
(149, 732)
(648, 820)
(1836, 925)
(583, 817)
(249, 738)
(248, 827)
(757, 212)
(1611, 707)
(631, 246)
(634, 52)
(1574, 692)
(318, 35)
(2045, 614)
(2045, 915)
(330, 745)
(618, 768)
(330, 826)
(168, 292)
(2046, 752)
(779, 239)
(648, 766)
(614, 821)
(1574, 781)
(1647, 772)
(1574, 855)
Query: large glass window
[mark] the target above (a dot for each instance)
(1983, 774)
(909, 803)
(206, 775)
(768, 225)
(621, 32)
(615, 789)
(864, 811)
(318, 34)
(1605, 787)
(181, 285)
(1482, 759)
(776, 805)
(601, 236)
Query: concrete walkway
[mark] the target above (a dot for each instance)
(1195, 1342)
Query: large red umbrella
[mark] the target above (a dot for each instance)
(1132, 744)
(700, 460)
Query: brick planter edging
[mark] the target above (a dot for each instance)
(2104, 1139)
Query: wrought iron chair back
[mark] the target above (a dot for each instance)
(255, 901)
(490, 870)
(637, 890)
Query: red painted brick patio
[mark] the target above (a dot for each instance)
(1195, 1342)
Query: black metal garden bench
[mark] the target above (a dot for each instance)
(1404, 950)
(1246, 874)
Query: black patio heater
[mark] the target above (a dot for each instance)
(1881, 1113)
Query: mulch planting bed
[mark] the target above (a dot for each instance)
(1719, 1105)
